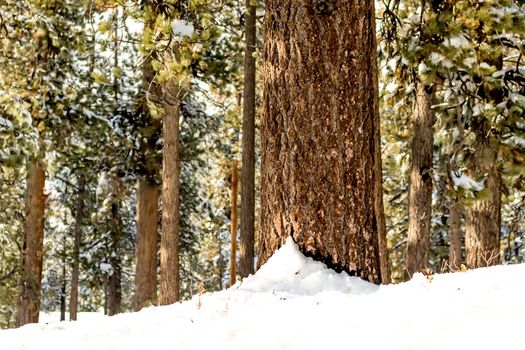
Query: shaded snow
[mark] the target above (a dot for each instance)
(293, 302)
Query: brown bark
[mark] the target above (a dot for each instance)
(483, 217)
(454, 259)
(233, 201)
(79, 214)
(247, 237)
(32, 255)
(318, 136)
(146, 252)
(420, 191)
(114, 289)
(169, 247)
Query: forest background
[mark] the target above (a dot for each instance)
(83, 90)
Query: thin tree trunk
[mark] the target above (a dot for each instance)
(114, 292)
(169, 247)
(233, 201)
(79, 215)
(483, 217)
(146, 254)
(318, 137)
(32, 255)
(63, 287)
(420, 191)
(247, 238)
(455, 259)
(147, 193)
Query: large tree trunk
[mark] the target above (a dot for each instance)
(420, 191)
(247, 241)
(32, 255)
(146, 252)
(79, 214)
(454, 255)
(483, 219)
(114, 291)
(318, 138)
(169, 247)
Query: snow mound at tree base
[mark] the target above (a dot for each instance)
(289, 271)
(294, 302)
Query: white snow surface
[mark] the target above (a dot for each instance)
(466, 182)
(182, 28)
(293, 302)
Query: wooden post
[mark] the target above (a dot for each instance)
(233, 259)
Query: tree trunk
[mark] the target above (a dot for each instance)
(63, 287)
(454, 259)
(483, 218)
(146, 255)
(246, 244)
(147, 193)
(32, 255)
(169, 247)
(79, 214)
(420, 191)
(114, 292)
(318, 137)
(233, 201)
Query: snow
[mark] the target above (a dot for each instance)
(293, 302)
(458, 42)
(466, 182)
(182, 28)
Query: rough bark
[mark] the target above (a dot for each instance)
(233, 201)
(169, 247)
(75, 271)
(114, 290)
(147, 193)
(319, 147)
(483, 217)
(454, 255)
(420, 190)
(146, 251)
(32, 255)
(247, 236)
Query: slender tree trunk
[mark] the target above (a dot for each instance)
(63, 287)
(233, 201)
(146, 255)
(420, 191)
(247, 239)
(318, 137)
(169, 247)
(114, 292)
(32, 255)
(147, 193)
(79, 215)
(455, 259)
(483, 217)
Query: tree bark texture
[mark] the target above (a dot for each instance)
(455, 256)
(79, 215)
(114, 292)
(420, 190)
(483, 217)
(146, 251)
(233, 201)
(169, 247)
(247, 236)
(32, 255)
(318, 137)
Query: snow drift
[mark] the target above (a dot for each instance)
(293, 302)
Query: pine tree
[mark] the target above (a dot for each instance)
(319, 149)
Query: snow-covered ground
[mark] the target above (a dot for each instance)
(295, 303)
